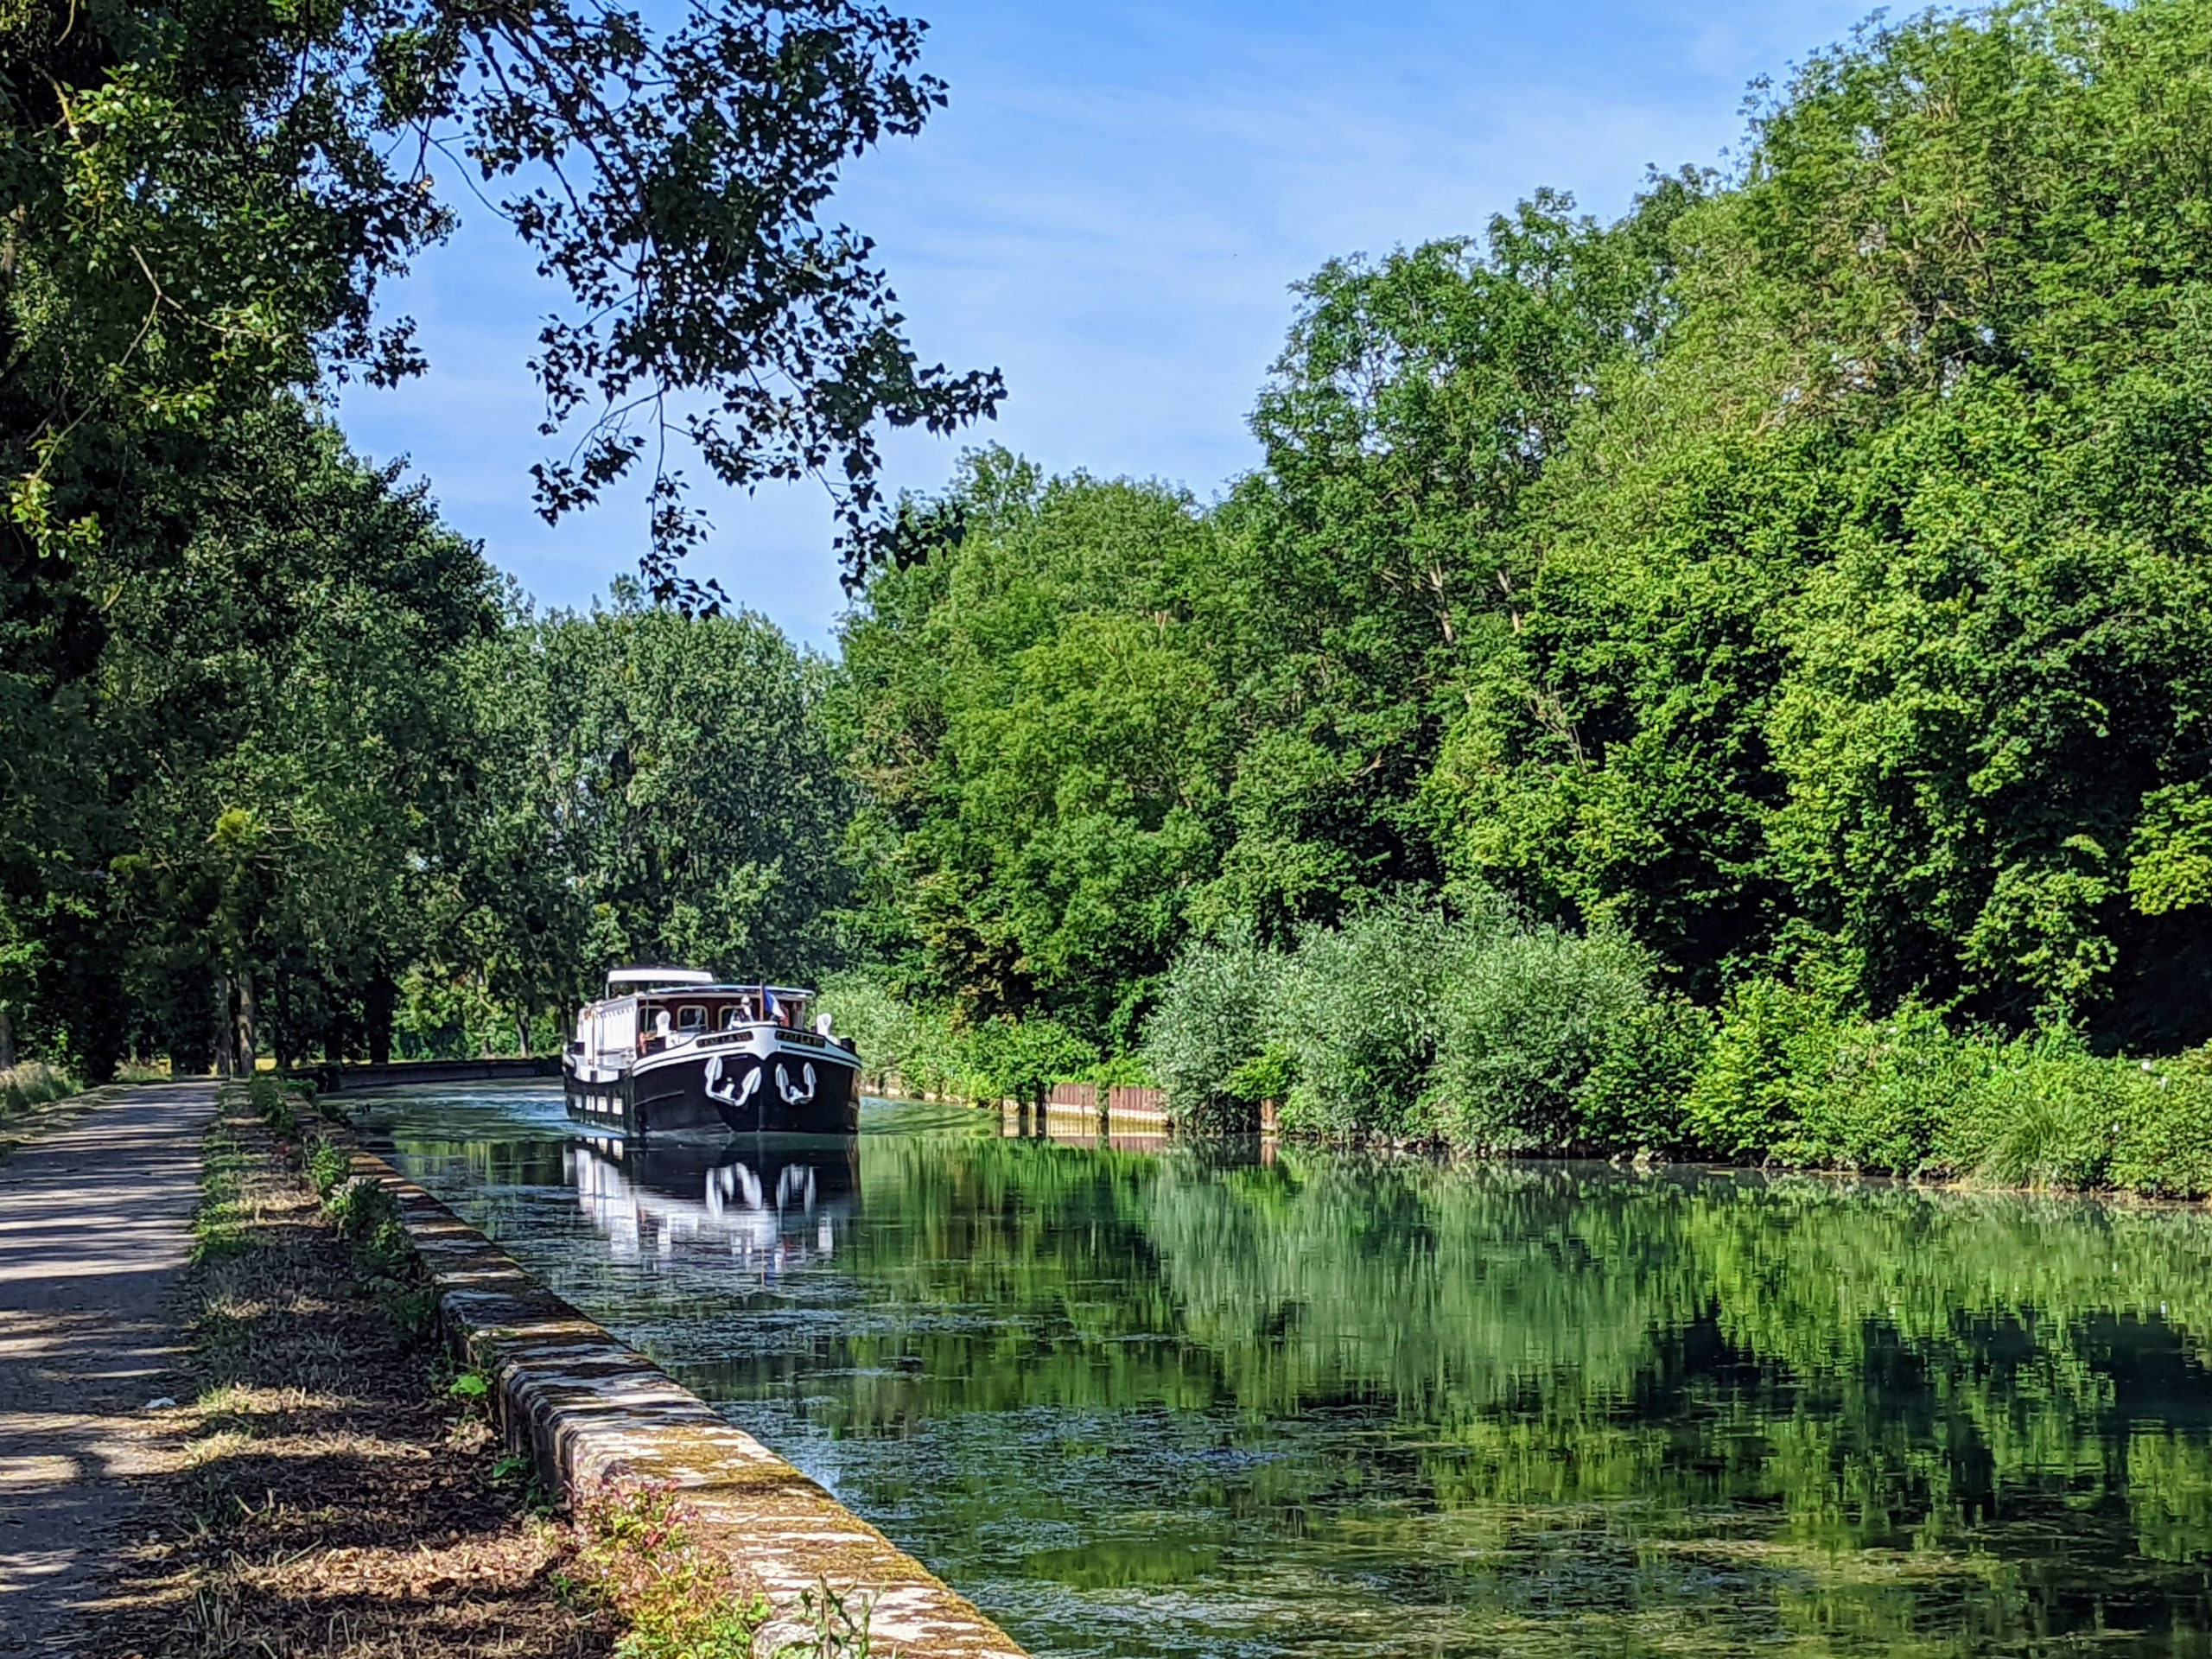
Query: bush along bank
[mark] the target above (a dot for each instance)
(1476, 1030)
(928, 1051)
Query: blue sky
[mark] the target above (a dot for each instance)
(1112, 211)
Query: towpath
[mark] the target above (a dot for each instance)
(95, 1228)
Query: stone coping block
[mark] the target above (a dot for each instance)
(585, 1409)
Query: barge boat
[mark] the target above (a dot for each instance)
(671, 1050)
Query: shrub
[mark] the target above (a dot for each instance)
(1021, 1059)
(2047, 1113)
(2166, 1145)
(1211, 1029)
(1270, 1075)
(1880, 1091)
(864, 1009)
(1524, 1015)
(33, 1083)
(365, 1212)
(1772, 1042)
(327, 1168)
(1359, 1014)
(1632, 1100)
(916, 1043)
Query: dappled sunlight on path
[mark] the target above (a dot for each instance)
(95, 1227)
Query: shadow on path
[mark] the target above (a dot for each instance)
(95, 1229)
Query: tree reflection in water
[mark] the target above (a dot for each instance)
(1193, 1403)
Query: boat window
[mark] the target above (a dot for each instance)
(691, 1019)
(732, 1017)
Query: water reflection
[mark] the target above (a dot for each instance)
(1194, 1402)
(771, 1202)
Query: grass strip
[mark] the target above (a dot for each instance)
(329, 1496)
(337, 1491)
(223, 1225)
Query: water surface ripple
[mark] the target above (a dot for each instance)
(1217, 1401)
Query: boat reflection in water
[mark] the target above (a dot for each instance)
(771, 1201)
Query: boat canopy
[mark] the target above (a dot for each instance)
(645, 977)
(631, 981)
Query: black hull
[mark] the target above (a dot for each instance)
(720, 1090)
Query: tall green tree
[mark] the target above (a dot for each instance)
(642, 785)
(1038, 714)
(275, 718)
(1870, 624)
(1383, 546)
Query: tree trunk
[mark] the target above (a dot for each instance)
(225, 1032)
(7, 1040)
(285, 1026)
(247, 1048)
(379, 998)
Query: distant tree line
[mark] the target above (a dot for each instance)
(328, 790)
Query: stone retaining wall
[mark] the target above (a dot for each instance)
(587, 1409)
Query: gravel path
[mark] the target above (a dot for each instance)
(95, 1228)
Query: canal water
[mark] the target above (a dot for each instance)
(1216, 1402)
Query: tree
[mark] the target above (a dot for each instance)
(1870, 619)
(646, 785)
(274, 727)
(208, 200)
(1039, 717)
(1383, 547)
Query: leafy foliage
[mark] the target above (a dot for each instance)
(641, 785)
(1798, 583)
(1727, 683)
(1209, 1040)
(240, 804)
(208, 201)
(1034, 718)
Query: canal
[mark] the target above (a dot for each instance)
(1220, 1402)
